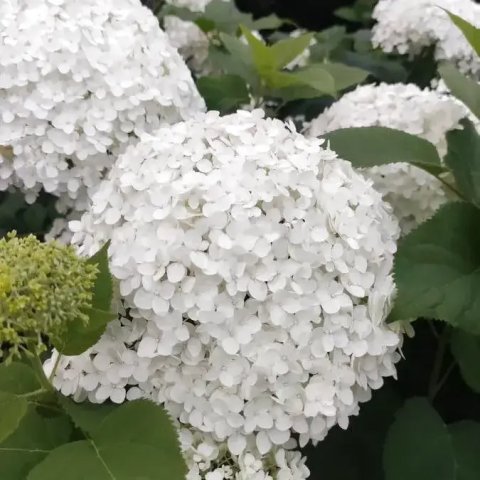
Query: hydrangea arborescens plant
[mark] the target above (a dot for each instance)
(43, 288)
(414, 194)
(79, 81)
(409, 26)
(255, 270)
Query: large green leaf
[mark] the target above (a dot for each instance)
(464, 88)
(239, 62)
(418, 445)
(136, 441)
(343, 75)
(437, 269)
(472, 33)
(287, 50)
(86, 416)
(262, 55)
(310, 79)
(370, 146)
(34, 438)
(18, 378)
(463, 158)
(466, 350)
(224, 93)
(80, 336)
(465, 436)
(103, 289)
(12, 409)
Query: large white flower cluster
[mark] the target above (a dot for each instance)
(414, 194)
(409, 26)
(81, 79)
(254, 267)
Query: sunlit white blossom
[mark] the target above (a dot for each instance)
(255, 271)
(80, 80)
(409, 26)
(414, 194)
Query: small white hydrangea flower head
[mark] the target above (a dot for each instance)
(409, 26)
(255, 270)
(208, 459)
(80, 80)
(414, 194)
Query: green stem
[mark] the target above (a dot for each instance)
(38, 367)
(55, 367)
(437, 365)
(444, 379)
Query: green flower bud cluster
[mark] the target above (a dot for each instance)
(43, 287)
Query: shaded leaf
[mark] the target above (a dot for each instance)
(437, 269)
(18, 378)
(86, 416)
(12, 408)
(224, 93)
(371, 146)
(34, 438)
(466, 350)
(464, 88)
(465, 436)
(418, 445)
(463, 158)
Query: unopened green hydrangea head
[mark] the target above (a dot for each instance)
(43, 287)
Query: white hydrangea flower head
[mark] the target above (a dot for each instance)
(255, 270)
(210, 460)
(409, 26)
(414, 194)
(79, 81)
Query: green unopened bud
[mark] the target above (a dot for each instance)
(43, 287)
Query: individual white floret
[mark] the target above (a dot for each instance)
(81, 79)
(414, 194)
(255, 268)
(409, 26)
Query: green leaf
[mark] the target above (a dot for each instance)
(464, 88)
(18, 378)
(472, 33)
(80, 337)
(287, 50)
(437, 269)
(136, 441)
(12, 408)
(239, 62)
(103, 289)
(343, 75)
(418, 445)
(465, 436)
(224, 93)
(466, 350)
(34, 438)
(262, 55)
(463, 158)
(371, 146)
(86, 416)
(304, 83)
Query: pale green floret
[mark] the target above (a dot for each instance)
(43, 287)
